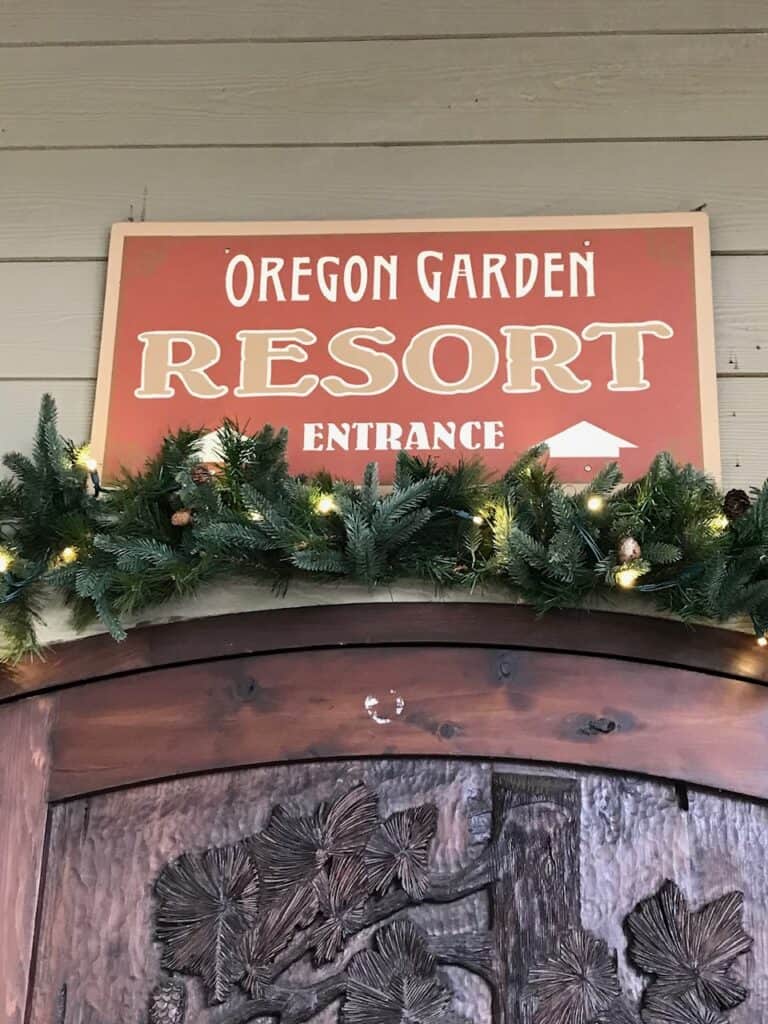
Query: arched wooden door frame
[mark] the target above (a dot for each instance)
(601, 690)
(595, 689)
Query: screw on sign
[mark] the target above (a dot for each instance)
(383, 712)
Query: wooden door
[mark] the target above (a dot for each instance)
(396, 889)
(314, 835)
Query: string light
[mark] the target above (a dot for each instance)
(477, 519)
(6, 560)
(762, 641)
(86, 461)
(325, 505)
(595, 503)
(255, 517)
(68, 555)
(628, 577)
(719, 524)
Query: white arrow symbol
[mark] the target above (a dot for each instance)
(586, 441)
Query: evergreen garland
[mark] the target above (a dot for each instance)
(166, 531)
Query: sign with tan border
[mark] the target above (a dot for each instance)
(444, 338)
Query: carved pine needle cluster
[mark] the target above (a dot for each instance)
(396, 981)
(206, 903)
(578, 984)
(240, 917)
(687, 955)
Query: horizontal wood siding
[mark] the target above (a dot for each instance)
(741, 313)
(52, 318)
(743, 422)
(291, 109)
(19, 402)
(61, 203)
(50, 21)
(425, 90)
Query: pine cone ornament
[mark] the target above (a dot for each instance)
(200, 474)
(181, 518)
(168, 1004)
(736, 504)
(629, 550)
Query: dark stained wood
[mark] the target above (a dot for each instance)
(574, 861)
(636, 637)
(538, 899)
(98, 915)
(634, 835)
(23, 781)
(470, 701)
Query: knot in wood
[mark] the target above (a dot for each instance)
(597, 726)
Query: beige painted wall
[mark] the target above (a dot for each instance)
(187, 109)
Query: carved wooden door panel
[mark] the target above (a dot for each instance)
(404, 890)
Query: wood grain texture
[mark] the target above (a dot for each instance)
(392, 91)
(538, 901)
(507, 627)
(107, 851)
(23, 810)
(88, 20)
(634, 836)
(61, 203)
(743, 420)
(727, 840)
(462, 701)
(625, 836)
(50, 316)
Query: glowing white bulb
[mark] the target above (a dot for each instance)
(478, 520)
(595, 503)
(762, 641)
(325, 505)
(86, 461)
(627, 577)
(255, 517)
(6, 561)
(68, 555)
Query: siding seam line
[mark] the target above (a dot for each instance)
(401, 38)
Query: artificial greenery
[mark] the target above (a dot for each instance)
(166, 531)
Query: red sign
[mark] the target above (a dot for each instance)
(445, 338)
